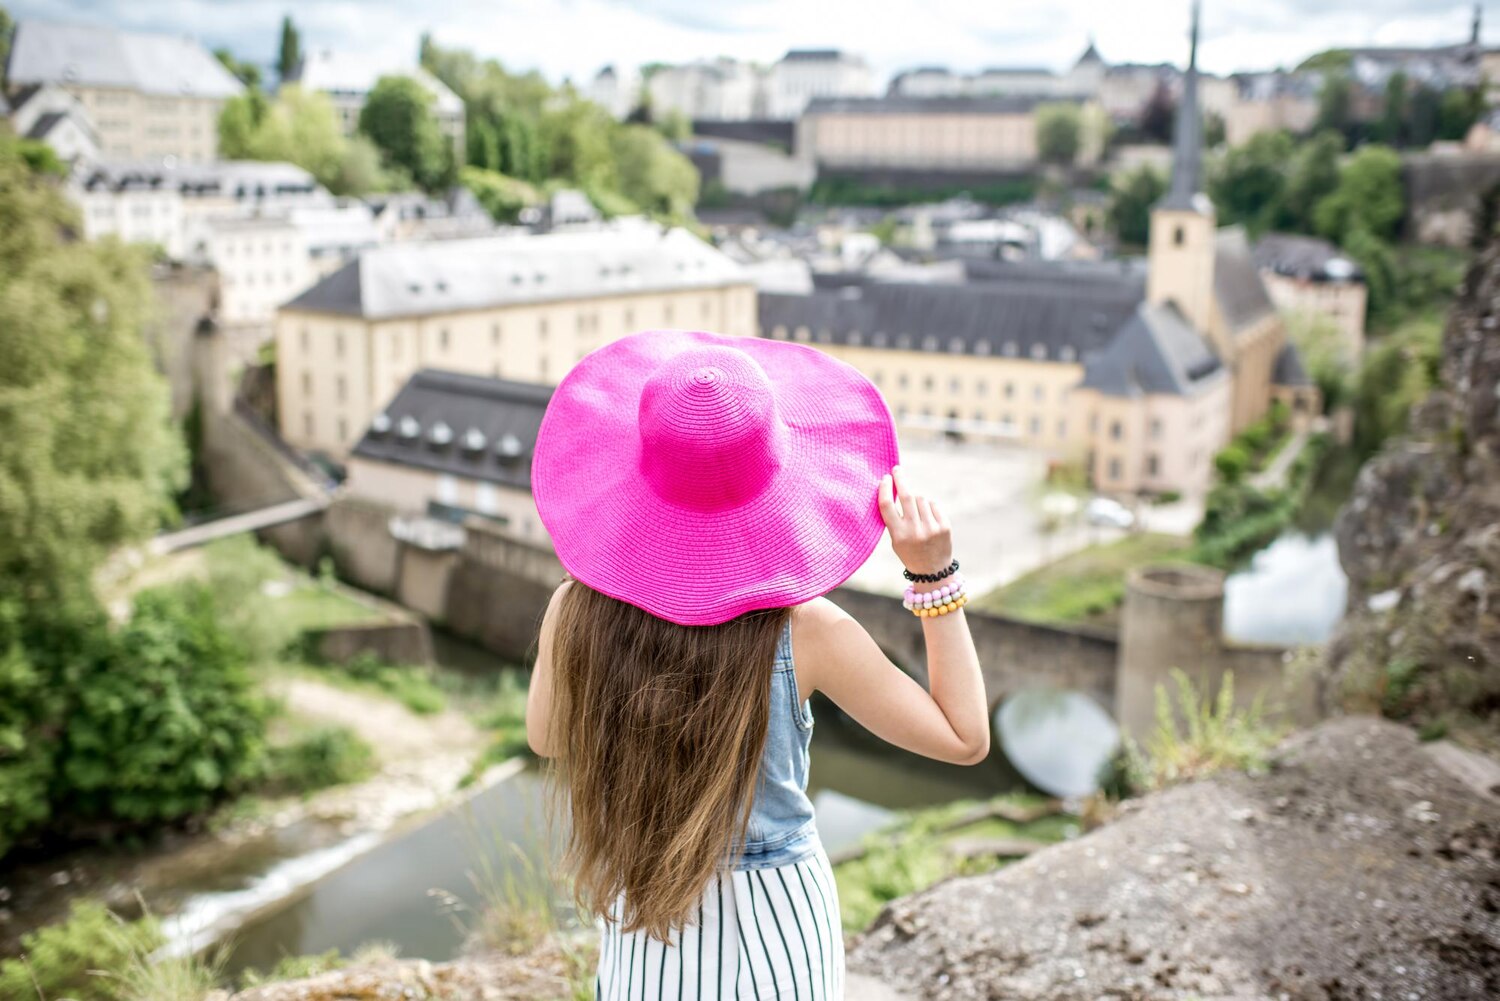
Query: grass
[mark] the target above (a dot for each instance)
(1086, 586)
(316, 757)
(312, 605)
(503, 715)
(917, 852)
(418, 688)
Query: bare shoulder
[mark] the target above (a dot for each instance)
(821, 635)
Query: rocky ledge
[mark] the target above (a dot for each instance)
(1363, 866)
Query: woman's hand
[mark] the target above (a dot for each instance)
(919, 533)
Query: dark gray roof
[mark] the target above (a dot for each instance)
(1304, 257)
(1015, 71)
(1156, 352)
(811, 55)
(447, 276)
(1015, 104)
(1060, 320)
(1289, 370)
(463, 425)
(1238, 288)
(99, 56)
(44, 124)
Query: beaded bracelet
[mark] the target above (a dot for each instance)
(931, 578)
(927, 604)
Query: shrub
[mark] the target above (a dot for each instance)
(1196, 735)
(1232, 462)
(412, 686)
(238, 570)
(327, 756)
(76, 957)
(166, 721)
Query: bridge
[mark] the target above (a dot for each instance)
(235, 524)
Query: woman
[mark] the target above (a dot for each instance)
(703, 493)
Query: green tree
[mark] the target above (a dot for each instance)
(1369, 196)
(1215, 131)
(300, 127)
(289, 55)
(675, 126)
(1131, 198)
(398, 118)
(1459, 110)
(1312, 175)
(166, 721)
(89, 461)
(248, 72)
(1375, 258)
(653, 175)
(1336, 104)
(1395, 111)
(1423, 116)
(1248, 183)
(1059, 132)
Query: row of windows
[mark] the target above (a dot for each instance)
(227, 279)
(1116, 469)
(1006, 422)
(955, 385)
(906, 342)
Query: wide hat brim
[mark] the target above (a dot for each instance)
(816, 521)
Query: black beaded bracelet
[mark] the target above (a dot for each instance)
(930, 578)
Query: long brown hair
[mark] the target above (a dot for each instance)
(660, 730)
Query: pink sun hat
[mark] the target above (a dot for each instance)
(700, 476)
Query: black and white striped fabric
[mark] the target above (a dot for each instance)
(759, 934)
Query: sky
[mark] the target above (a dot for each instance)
(574, 38)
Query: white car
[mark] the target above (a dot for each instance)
(1110, 513)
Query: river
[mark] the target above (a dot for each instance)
(419, 888)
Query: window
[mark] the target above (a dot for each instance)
(579, 323)
(929, 343)
(1116, 430)
(1153, 465)
(1155, 428)
(707, 308)
(343, 430)
(541, 368)
(902, 380)
(1062, 428)
(1037, 392)
(307, 424)
(1179, 237)
(1010, 390)
(877, 377)
(982, 387)
(541, 327)
(495, 334)
(1093, 423)
(443, 339)
(927, 382)
(666, 313)
(953, 384)
(1036, 426)
(629, 317)
(1114, 469)
(338, 343)
(343, 391)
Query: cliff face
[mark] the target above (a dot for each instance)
(1420, 541)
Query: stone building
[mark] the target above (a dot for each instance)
(804, 75)
(49, 114)
(936, 134)
(1309, 279)
(519, 307)
(146, 95)
(450, 445)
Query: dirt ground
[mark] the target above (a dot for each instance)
(1363, 866)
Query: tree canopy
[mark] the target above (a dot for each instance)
(1059, 132)
(398, 118)
(289, 54)
(300, 127)
(1130, 203)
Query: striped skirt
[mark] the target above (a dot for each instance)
(758, 934)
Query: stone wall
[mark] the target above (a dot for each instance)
(1015, 655)
(1442, 193)
(499, 589)
(404, 642)
(359, 539)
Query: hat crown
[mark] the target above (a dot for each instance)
(711, 437)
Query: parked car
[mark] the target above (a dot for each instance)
(1109, 513)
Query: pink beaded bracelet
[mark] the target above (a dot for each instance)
(939, 601)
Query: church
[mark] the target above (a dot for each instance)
(1139, 374)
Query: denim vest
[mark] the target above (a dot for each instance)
(781, 828)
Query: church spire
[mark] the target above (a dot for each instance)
(1187, 145)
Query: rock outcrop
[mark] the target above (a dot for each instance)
(1420, 541)
(1362, 866)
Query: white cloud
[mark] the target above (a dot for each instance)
(575, 37)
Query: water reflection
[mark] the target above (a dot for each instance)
(1294, 591)
(1060, 741)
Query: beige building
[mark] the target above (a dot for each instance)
(519, 307)
(146, 95)
(451, 445)
(975, 134)
(1309, 280)
(1141, 376)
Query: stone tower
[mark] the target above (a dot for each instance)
(1180, 257)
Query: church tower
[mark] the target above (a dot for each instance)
(1180, 256)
